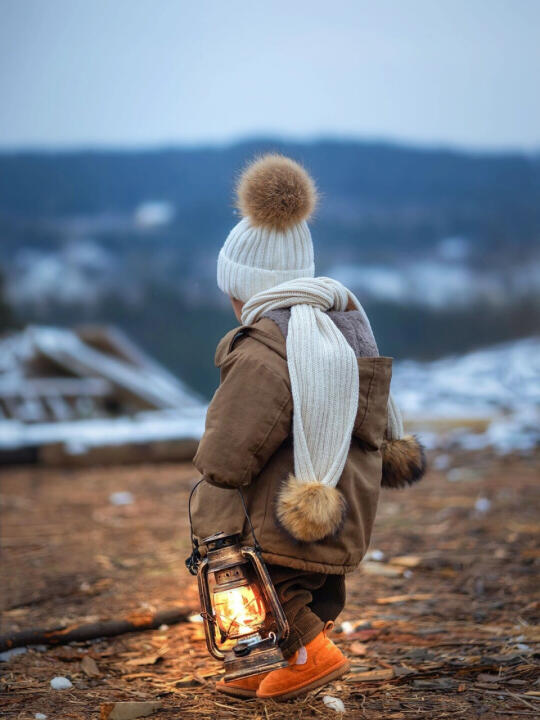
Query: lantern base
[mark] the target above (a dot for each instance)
(259, 657)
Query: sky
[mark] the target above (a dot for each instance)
(87, 73)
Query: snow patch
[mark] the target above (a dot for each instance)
(437, 281)
(85, 434)
(496, 389)
(153, 214)
(79, 272)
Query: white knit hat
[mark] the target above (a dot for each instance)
(272, 243)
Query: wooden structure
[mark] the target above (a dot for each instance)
(90, 395)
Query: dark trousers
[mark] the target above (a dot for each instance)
(309, 601)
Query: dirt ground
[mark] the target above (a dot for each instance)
(444, 624)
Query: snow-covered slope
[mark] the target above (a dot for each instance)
(434, 282)
(498, 387)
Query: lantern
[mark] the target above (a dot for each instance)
(239, 603)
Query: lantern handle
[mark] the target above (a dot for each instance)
(194, 560)
(255, 541)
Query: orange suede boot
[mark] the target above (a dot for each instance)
(245, 687)
(309, 668)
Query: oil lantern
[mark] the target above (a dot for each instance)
(240, 604)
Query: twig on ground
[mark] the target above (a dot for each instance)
(90, 631)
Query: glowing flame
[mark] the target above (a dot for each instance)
(239, 611)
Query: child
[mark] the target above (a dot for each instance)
(302, 423)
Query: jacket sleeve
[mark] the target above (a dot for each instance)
(248, 419)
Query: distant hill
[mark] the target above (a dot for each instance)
(453, 191)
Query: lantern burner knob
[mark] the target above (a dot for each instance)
(241, 649)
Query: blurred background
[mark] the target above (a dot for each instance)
(124, 125)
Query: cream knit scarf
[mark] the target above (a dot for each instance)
(323, 371)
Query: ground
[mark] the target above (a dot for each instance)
(449, 630)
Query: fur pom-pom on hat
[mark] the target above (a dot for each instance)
(276, 192)
(310, 512)
(272, 243)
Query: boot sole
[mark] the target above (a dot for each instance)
(332, 675)
(236, 692)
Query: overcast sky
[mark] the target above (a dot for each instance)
(147, 72)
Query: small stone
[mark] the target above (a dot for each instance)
(334, 703)
(347, 627)
(8, 654)
(121, 498)
(61, 683)
(482, 505)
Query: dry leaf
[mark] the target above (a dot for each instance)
(402, 671)
(448, 572)
(370, 675)
(391, 599)
(145, 660)
(89, 667)
(487, 677)
(134, 676)
(382, 569)
(67, 654)
(364, 635)
(200, 679)
(193, 680)
(186, 681)
(358, 648)
(527, 528)
(127, 710)
(530, 553)
(408, 561)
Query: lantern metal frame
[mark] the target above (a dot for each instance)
(253, 653)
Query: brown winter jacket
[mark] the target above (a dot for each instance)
(248, 445)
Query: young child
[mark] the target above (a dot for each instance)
(302, 423)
